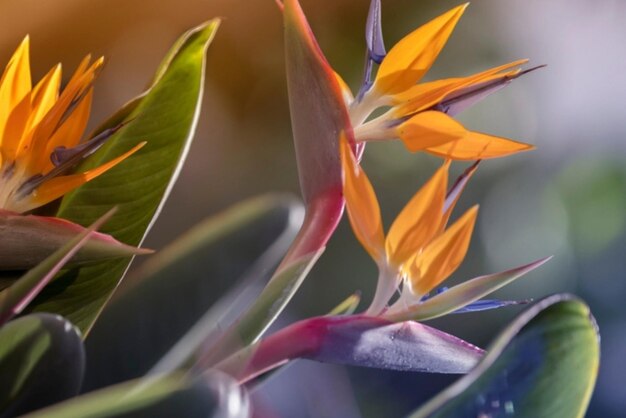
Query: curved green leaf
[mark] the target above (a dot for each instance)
(42, 362)
(544, 364)
(165, 116)
(214, 395)
(183, 281)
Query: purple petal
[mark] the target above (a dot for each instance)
(374, 33)
(461, 99)
(375, 46)
(407, 346)
(488, 304)
(64, 159)
(357, 341)
(459, 186)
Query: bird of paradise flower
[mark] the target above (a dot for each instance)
(40, 131)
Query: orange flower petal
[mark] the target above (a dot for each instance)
(429, 129)
(45, 94)
(57, 187)
(476, 146)
(25, 117)
(443, 255)
(78, 84)
(15, 83)
(413, 56)
(419, 220)
(14, 130)
(423, 96)
(361, 203)
(70, 132)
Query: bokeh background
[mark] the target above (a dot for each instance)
(568, 198)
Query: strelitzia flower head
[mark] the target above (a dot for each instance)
(421, 114)
(40, 131)
(419, 249)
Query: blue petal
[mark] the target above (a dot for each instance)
(464, 98)
(375, 46)
(479, 305)
(374, 33)
(487, 304)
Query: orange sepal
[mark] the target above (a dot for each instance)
(419, 220)
(79, 83)
(413, 55)
(429, 129)
(479, 146)
(15, 84)
(443, 255)
(57, 187)
(361, 203)
(423, 96)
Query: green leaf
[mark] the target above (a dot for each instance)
(42, 362)
(214, 395)
(165, 117)
(544, 364)
(179, 284)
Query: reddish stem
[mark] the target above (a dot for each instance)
(323, 214)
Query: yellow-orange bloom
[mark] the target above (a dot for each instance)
(40, 131)
(419, 247)
(421, 114)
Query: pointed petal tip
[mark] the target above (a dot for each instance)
(142, 251)
(541, 261)
(459, 10)
(530, 70)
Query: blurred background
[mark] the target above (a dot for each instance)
(567, 198)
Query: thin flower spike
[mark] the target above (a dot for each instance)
(40, 131)
(421, 114)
